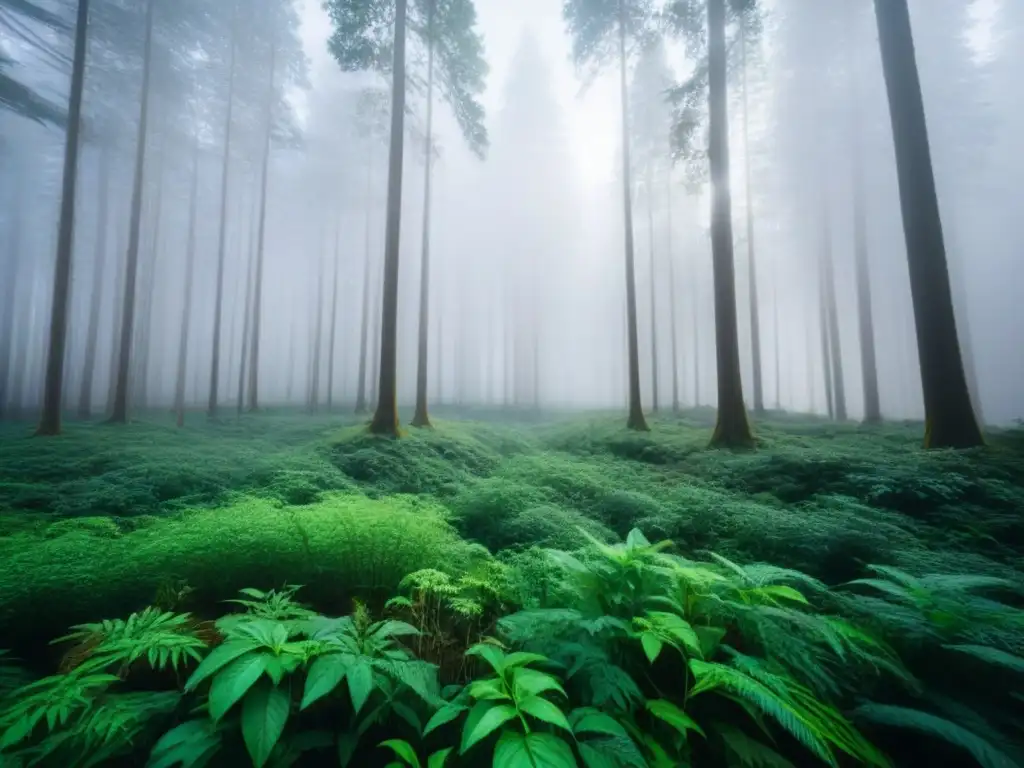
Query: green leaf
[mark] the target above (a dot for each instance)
(360, 683)
(531, 681)
(534, 750)
(404, 750)
(710, 638)
(521, 659)
(592, 720)
(635, 539)
(438, 759)
(219, 657)
(652, 645)
(445, 714)
(782, 592)
(264, 714)
(544, 710)
(233, 682)
(668, 712)
(492, 654)
(325, 674)
(483, 719)
(991, 655)
(668, 625)
(347, 743)
(408, 714)
(487, 690)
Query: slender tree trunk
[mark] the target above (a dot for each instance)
(257, 308)
(950, 421)
(636, 418)
(866, 324)
(778, 361)
(732, 429)
(654, 306)
(149, 283)
(826, 352)
(96, 302)
(186, 312)
(127, 329)
(332, 331)
(318, 330)
(364, 329)
(10, 299)
(755, 318)
(385, 420)
(672, 292)
(243, 367)
(834, 341)
(696, 341)
(116, 320)
(211, 408)
(49, 423)
(421, 418)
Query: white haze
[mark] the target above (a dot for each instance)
(527, 244)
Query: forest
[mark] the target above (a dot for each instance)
(533, 384)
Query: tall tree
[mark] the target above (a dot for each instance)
(363, 39)
(596, 27)
(828, 288)
(332, 329)
(127, 323)
(950, 421)
(755, 319)
(96, 301)
(50, 421)
(186, 307)
(732, 428)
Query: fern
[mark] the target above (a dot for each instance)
(984, 752)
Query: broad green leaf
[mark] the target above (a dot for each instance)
(404, 750)
(668, 712)
(592, 720)
(531, 681)
(636, 540)
(486, 690)
(325, 674)
(594, 757)
(492, 654)
(445, 714)
(360, 682)
(438, 759)
(347, 743)
(219, 657)
(264, 714)
(544, 710)
(190, 745)
(483, 719)
(652, 645)
(521, 659)
(254, 593)
(534, 750)
(783, 592)
(668, 625)
(408, 714)
(232, 683)
(710, 638)
(392, 628)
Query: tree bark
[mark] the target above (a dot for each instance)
(120, 407)
(243, 367)
(318, 329)
(826, 352)
(10, 298)
(732, 429)
(332, 331)
(96, 303)
(211, 408)
(257, 307)
(866, 324)
(49, 423)
(149, 287)
(186, 312)
(385, 419)
(636, 418)
(364, 331)
(950, 421)
(421, 418)
(834, 341)
(755, 318)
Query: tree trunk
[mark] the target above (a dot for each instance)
(696, 341)
(318, 329)
(950, 421)
(755, 319)
(243, 367)
(636, 418)
(149, 287)
(654, 306)
(257, 307)
(211, 408)
(96, 303)
(332, 331)
(120, 409)
(49, 423)
(186, 312)
(732, 429)
(385, 419)
(364, 331)
(826, 352)
(834, 342)
(866, 323)
(672, 293)
(421, 418)
(10, 297)
(778, 362)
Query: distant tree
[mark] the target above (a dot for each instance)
(186, 308)
(50, 421)
(97, 285)
(363, 39)
(826, 270)
(602, 31)
(950, 421)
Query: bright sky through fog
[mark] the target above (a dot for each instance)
(591, 119)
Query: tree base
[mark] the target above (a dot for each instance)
(637, 421)
(732, 431)
(385, 422)
(964, 434)
(421, 419)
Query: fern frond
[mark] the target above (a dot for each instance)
(747, 752)
(991, 655)
(987, 755)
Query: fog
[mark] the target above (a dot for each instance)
(527, 285)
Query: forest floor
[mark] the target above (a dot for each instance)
(96, 522)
